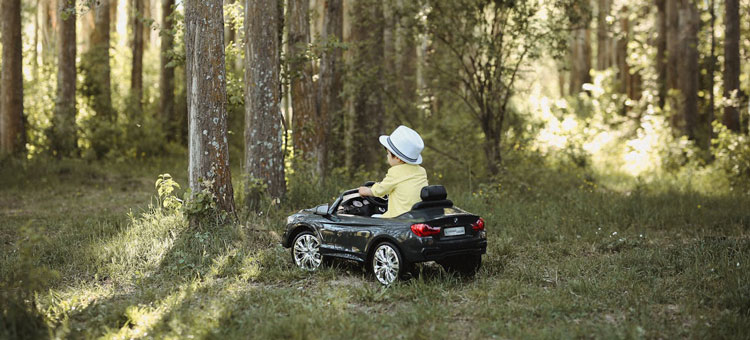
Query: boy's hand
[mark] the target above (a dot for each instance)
(365, 191)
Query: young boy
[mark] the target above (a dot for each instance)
(405, 179)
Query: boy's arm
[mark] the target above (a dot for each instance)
(384, 187)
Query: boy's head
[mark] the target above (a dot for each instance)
(405, 145)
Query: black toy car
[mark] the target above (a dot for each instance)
(434, 230)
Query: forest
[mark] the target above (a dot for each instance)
(151, 151)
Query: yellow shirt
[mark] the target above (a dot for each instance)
(403, 183)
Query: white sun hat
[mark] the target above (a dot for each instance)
(404, 143)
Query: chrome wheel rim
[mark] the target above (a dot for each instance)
(385, 264)
(306, 255)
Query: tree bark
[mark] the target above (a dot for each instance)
(623, 69)
(136, 75)
(63, 134)
(49, 28)
(99, 71)
(673, 62)
(603, 41)
(689, 71)
(661, 51)
(732, 64)
(406, 58)
(330, 83)
(307, 122)
(166, 73)
(365, 117)
(264, 154)
(580, 59)
(12, 134)
(206, 102)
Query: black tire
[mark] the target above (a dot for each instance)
(387, 264)
(463, 265)
(305, 251)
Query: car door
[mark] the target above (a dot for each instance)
(349, 233)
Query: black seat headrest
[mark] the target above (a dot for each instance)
(433, 193)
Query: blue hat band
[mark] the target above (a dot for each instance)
(398, 153)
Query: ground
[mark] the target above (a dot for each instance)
(567, 258)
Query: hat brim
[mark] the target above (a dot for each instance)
(384, 141)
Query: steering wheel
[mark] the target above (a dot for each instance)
(377, 201)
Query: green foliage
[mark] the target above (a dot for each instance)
(165, 187)
(732, 152)
(200, 206)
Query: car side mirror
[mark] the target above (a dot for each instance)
(322, 210)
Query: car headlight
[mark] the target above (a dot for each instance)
(289, 219)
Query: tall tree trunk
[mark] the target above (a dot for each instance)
(623, 69)
(229, 30)
(365, 117)
(264, 154)
(711, 72)
(580, 59)
(603, 41)
(49, 28)
(35, 50)
(330, 83)
(308, 139)
(166, 73)
(406, 58)
(63, 134)
(98, 71)
(732, 64)
(206, 101)
(673, 62)
(136, 76)
(661, 51)
(689, 72)
(12, 134)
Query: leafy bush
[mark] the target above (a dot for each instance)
(732, 152)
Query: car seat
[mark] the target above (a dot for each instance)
(433, 196)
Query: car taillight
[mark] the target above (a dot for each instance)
(422, 230)
(478, 225)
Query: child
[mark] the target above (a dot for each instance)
(405, 179)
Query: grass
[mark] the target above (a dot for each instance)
(569, 256)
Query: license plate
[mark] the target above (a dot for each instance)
(454, 231)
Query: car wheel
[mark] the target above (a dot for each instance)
(464, 265)
(387, 264)
(306, 251)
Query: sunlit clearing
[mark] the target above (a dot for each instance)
(142, 318)
(642, 154)
(607, 148)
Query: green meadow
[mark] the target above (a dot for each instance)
(88, 252)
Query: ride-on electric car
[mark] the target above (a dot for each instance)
(433, 230)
